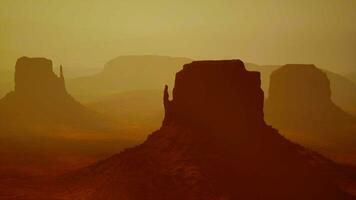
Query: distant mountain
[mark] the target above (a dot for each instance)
(300, 104)
(40, 103)
(343, 91)
(126, 73)
(213, 144)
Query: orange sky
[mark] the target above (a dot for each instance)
(88, 33)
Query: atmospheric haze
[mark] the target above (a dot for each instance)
(162, 99)
(86, 34)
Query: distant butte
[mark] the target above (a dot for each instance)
(40, 102)
(34, 76)
(300, 102)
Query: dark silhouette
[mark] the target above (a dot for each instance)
(213, 144)
(166, 104)
(300, 102)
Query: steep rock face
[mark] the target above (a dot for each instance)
(343, 90)
(34, 76)
(213, 144)
(200, 91)
(300, 101)
(303, 85)
(41, 102)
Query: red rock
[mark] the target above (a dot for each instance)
(213, 144)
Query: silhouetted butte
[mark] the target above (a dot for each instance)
(300, 102)
(213, 144)
(40, 102)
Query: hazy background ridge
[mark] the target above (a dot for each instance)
(85, 34)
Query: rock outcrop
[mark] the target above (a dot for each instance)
(213, 144)
(40, 101)
(300, 102)
(199, 96)
(302, 86)
(35, 77)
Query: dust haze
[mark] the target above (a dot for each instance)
(86, 34)
(176, 100)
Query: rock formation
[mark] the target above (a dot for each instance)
(200, 100)
(40, 101)
(300, 101)
(343, 90)
(35, 77)
(213, 144)
(127, 73)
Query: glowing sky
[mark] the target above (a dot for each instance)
(88, 33)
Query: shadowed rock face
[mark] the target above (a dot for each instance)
(300, 101)
(301, 84)
(35, 77)
(213, 144)
(216, 94)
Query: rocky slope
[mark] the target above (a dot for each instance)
(213, 144)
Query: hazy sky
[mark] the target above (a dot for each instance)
(88, 33)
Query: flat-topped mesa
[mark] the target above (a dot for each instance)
(301, 85)
(300, 99)
(216, 94)
(35, 76)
